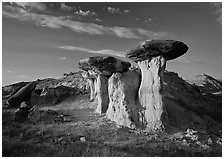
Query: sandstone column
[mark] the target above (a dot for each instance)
(91, 82)
(102, 94)
(151, 57)
(123, 93)
(151, 92)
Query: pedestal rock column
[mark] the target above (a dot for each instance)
(151, 56)
(151, 93)
(102, 94)
(123, 93)
(92, 88)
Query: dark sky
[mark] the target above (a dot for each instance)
(41, 40)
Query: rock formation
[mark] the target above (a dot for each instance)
(102, 67)
(91, 79)
(151, 57)
(123, 93)
(24, 94)
(102, 94)
(57, 94)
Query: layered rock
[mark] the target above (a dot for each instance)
(102, 67)
(123, 93)
(57, 94)
(23, 94)
(151, 57)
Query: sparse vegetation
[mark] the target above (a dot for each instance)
(89, 134)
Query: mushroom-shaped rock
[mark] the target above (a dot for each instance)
(102, 67)
(123, 94)
(24, 94)
(151, 57)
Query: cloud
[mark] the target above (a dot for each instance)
(217, 9)
(56, 22)
(62, 58)
(148, 20)
(36, 5)
(186, 60)
(99, 20)
(113, 10)
(10, 71)
(155, 35)
(85, 13)
(66, 7)
(103, 51)
(126, 11)
(21, 76)
(117, 11)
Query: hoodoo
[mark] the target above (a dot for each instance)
(151, 56)
(102, 67)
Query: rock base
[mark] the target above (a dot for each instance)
(122, 89)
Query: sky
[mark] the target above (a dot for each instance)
(45, 40)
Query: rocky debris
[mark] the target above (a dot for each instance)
(219, 141)
(151, 56)
(190, 133)
(123, 95)
(104, 65)
(49, 116)
(101, 67)
(24, 94)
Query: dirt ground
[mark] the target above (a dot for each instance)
(72, 128)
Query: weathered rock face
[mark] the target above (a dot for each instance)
(151, 56)
(104, 65)
(102, 94)
(123, 94)
(24, 94)
(153, 116)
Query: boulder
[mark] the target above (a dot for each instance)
(21, 114)
(123, 94)
(151, 56)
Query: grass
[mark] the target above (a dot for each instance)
(41, 136)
